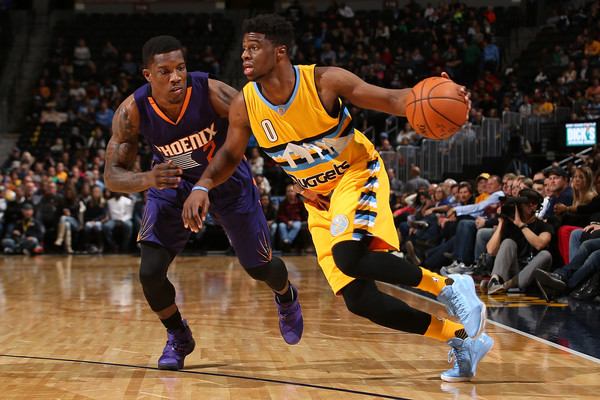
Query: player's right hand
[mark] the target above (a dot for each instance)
(194, 210)
(166, 175)
(316, 200)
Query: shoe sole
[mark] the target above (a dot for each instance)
(482, 353)
(498, 290)
(169, 367)
(551, 283)
(541, 287)
(447, 378)
(483, 320)
(175, 367)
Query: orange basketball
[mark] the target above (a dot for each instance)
(435, 108)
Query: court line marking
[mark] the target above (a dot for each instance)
(214, 374)
(509, 328)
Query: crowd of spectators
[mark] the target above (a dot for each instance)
(397, 48)
(510, 231)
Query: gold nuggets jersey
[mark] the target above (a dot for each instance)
(323, 153)
(311, 146)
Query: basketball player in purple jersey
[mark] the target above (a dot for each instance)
(182, 116)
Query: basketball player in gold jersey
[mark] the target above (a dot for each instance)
(298, 116)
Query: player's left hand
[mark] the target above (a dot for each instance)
(464, 92)
(194, 210)
(314, 199)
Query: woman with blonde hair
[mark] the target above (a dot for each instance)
(584, 191)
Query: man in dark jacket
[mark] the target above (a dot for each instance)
(27, 235)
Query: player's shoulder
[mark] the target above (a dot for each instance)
(128, 110)
(330, 75)
(198, 74)
(128, 105)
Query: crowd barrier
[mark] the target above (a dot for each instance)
(468, 146)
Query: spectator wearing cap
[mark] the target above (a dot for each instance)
(383, 136)
(13, 157)
(561, 191)
(482, 188)
(542, 106)
(26, 236)
(385, 145)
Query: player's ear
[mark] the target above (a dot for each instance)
(146, 73)
(281, 51)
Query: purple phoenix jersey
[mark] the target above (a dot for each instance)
(191, 142)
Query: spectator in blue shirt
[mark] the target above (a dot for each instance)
(104, 115)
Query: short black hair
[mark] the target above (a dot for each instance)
(532, 195)
(273, 26)
(159, 45)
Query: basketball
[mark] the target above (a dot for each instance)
(435, 108)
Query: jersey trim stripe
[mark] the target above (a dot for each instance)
(282, 109)
(188, 95)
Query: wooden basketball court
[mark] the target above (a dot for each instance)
(78, 327)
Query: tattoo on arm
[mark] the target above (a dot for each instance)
(121, 153)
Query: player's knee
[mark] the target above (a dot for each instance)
(151, 277)
(152, 272)
(259, 273)
(360, 297)
(356, 307)
(274, 273)
(347, 256)
(154, 264)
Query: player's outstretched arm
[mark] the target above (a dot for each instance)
(221, 167)
(121, 152)
(338, 82)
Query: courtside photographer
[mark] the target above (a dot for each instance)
(519, 243)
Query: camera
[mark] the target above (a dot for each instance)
(510, 203)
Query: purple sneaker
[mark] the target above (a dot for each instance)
(179, 344)
(291, 323)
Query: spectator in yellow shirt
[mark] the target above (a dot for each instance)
(542, 106)
(591, 48)
(482, 187)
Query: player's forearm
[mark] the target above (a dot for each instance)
(400, 104)
(118, 179)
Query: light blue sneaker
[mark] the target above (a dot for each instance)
(467, 354)
(461, 301)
